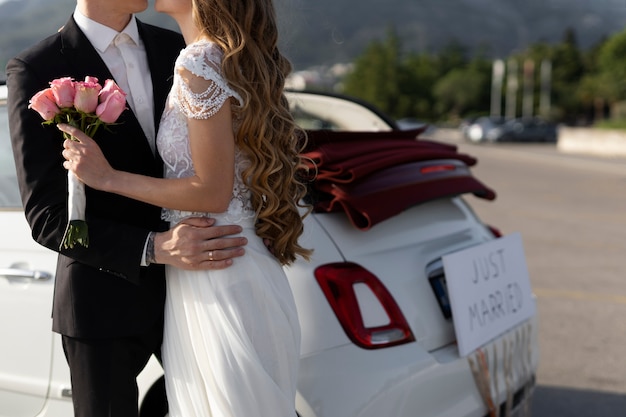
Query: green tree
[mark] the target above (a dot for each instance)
(420, 73)
(595, 92)
(399, 85)
(451, 57)
(449, 85)
(376, 77)
(612, 64)
(402, 86)
(461, 91)
(567, 70)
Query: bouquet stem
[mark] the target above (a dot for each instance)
(76, 232)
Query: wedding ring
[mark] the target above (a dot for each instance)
(210, 255)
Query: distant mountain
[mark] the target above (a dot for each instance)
(321, 32)
(326, 31)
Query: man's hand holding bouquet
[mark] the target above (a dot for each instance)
(85, 105)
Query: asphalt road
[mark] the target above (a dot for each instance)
(571, 212)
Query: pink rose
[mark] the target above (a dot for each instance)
(109, 87)
(45, 104)
(86, 99)
(63, 90)
(110, 109)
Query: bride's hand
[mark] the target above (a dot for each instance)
(84, 158)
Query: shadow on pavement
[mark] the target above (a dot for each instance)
(569, 402)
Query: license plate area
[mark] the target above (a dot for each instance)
(437, 279)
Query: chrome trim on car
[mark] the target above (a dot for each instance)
(25, 273)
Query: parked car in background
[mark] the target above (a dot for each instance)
(378, 338)
(480, 129)
(498, 129)
(531, 129)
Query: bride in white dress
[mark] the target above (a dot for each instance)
(232, 338)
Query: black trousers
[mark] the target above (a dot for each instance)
(104, 372)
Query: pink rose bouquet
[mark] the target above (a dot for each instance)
(86, 105)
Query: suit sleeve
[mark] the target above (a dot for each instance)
(115, 246)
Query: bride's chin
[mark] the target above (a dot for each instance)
(161, 6)
(141, 6)
(172, 7)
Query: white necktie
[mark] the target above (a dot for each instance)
(139, 96)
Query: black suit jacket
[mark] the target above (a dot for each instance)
(100, 291)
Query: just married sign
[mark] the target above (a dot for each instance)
(489, 290)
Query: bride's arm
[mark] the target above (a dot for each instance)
(212, 148)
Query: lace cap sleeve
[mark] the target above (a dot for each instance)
(201, 89)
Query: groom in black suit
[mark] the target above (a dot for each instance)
(108, 302)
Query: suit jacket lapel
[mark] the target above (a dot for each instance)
(82, 57)
(84, 61)
(161, 74)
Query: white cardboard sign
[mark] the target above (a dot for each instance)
(489, 290)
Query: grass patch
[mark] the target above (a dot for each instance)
(611, 124)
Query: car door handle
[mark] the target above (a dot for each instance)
(25, 273)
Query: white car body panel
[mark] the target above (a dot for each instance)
(410, 247)
(404, 381)
(34, 377)
(25, 304)
(25, 366)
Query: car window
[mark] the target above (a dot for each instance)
(310, 121)
(9, 193)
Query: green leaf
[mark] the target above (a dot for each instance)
(76, 233)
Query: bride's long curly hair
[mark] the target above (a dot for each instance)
(246, 31)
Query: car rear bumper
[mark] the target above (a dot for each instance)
(406, 381)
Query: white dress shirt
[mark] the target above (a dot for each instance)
(139, 97)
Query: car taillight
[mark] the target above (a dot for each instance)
(340, 282)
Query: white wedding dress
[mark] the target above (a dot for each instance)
(232, 338)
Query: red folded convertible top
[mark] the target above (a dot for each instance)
(375, 175)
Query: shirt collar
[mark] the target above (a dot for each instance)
(100, 35)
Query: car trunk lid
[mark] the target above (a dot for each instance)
(404, 253)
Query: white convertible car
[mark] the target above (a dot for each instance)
(378, 336)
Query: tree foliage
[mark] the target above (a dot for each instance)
(377, 75)
(450, 84)
(460, 91)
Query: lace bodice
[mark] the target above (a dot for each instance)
(202, 59)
